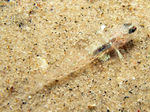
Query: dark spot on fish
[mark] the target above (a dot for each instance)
(102, 48)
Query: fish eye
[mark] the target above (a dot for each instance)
(132, 30)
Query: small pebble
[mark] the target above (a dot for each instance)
(29, 97)
(91, 107)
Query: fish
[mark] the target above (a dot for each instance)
(75, 59)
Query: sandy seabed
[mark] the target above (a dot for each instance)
(41, 43)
